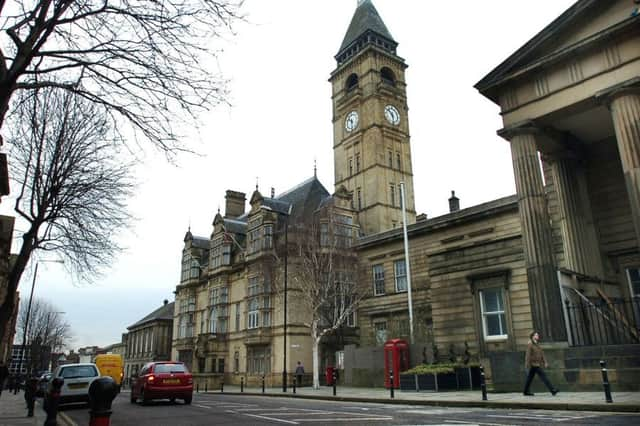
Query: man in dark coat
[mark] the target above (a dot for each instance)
(4, 373)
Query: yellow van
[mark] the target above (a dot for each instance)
(111, 365)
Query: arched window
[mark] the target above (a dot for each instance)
(387, 76)
(352, 82)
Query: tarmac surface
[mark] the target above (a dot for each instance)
(13, 410)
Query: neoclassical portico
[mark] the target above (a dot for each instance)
(570, 104)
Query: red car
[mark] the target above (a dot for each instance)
(162, 380)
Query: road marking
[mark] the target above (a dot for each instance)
(271, 418)
(202, 406)
(547, 417)
(437, 411)
(476, 423)
(344, 419)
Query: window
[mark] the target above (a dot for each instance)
(352, 82)
(494, 323)
(186, 321)
(220, 253)
(220, 365)
(344, 230)
(380, 330)
(324, 235)
(359, 198)
(351, 319)
(258, 360)
(357, 163)
(268, 237)
(236, 362)
(401, 275)
(190, 266)
(253, 317)
(392, 192)
(398, 162)
(378, 280)
(350, 166)
(387, 76)
(390, 158)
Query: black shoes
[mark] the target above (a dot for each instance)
(529, 393)
(554, 392)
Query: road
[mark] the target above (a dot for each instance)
(227, 409)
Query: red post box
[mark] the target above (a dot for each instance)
(396, 359)
(328, 375)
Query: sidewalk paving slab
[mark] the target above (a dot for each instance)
(624, 402)
(13, 411)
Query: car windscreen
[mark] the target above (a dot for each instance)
(169, 368)
(78, 371)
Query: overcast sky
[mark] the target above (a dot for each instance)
(279, 123)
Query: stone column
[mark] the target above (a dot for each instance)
(544, 291)
(579, 240)
(625, 111)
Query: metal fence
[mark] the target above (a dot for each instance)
(612, 322)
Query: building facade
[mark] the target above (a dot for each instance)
(148, 339)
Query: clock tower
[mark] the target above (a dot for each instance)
(372, 154)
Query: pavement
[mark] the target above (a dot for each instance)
(13, 411)
(623, 402)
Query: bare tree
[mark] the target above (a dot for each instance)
(148, 62)
(73, 185)
(325, 274)
(47, 332)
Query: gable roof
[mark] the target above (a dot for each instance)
(366, 18)
(304, 198)
(165, 312)
(555, 41)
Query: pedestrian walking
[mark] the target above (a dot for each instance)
(533, 362)
(4, 373)
(299, 374)
(30, 389)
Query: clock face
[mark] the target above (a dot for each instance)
(392, 115)
(351, 121)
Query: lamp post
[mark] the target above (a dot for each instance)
(26, 322)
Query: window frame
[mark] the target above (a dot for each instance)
(378, 279)
(396, 275)
(501, 314)
(497, 278)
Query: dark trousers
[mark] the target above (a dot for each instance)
(543, 377)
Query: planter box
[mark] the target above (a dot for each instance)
(464, 378)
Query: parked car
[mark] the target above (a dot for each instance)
(77, 379)
(43, 383)
(162, 380)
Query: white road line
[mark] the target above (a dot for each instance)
(343, 419)
(271, 418)
(437, 411)
(477, 423)
(202, 406)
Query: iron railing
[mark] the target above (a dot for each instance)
(600, 322)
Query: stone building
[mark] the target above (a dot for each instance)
(6, 236)
(148, 339)
(229, 316)
(562, 256)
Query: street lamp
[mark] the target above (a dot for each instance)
(26, 322)
(286, 263)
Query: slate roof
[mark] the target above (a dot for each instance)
(304, 198)
(165, 312)
(365, 18)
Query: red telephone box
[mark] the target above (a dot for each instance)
(396, 359)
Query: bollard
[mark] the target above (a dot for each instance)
(51, 402)
(198, 386)
(391, 384)
(263, 383)
(605, 382)
(222, 386)
(241, 384)
(294, 384)
(334, 379)
(206, 386)
(483, 384)
(102, 391)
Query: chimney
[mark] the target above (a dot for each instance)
(165, 302)
(234, 203)
(273, 192)
(454, 203)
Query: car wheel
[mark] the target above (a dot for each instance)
(143, 397)
(187, 400)
(172, 400)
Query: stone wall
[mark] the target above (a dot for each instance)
(570, 369)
